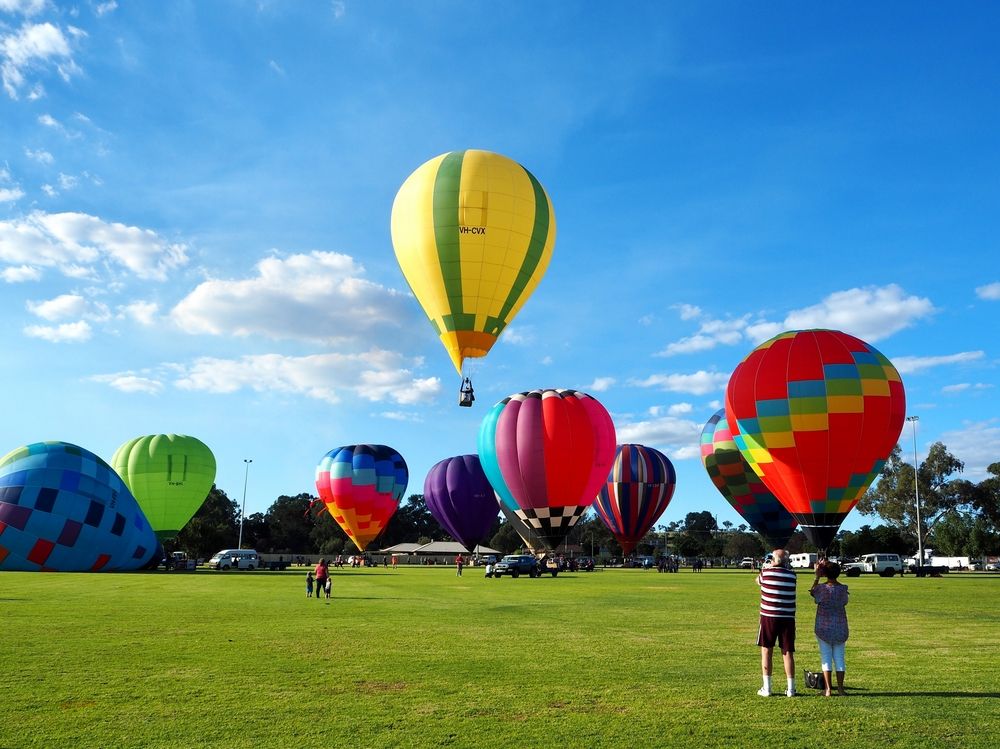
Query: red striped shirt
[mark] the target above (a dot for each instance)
(777, 592)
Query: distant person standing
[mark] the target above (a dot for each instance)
(395, 561)
(309, 584)
(777, 620)
(322, 575)
(831, 623)
(459, 563)
(328, 586)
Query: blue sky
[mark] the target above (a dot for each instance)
(195, 200)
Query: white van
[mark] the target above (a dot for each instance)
(885, 565)
(802, 561)
(241, 559)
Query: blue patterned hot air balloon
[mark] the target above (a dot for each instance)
(63, 509)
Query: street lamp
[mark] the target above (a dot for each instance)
(916, 494)
(243, 512)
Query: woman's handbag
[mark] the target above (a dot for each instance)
(814, 680)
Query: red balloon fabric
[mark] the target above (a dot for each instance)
(817, 413)
(547, 453)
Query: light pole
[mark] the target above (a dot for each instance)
(243, 511)
(916, 494)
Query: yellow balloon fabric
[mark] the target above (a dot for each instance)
(473, 233)
(170, 476)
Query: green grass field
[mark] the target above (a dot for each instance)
(421, 658)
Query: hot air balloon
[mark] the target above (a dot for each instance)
(461, 499)
(64, 509)
(169, 474)
(817, 414)
(473, 233)
(637, 491)
(531, 540)
(741, 487)
(547, 453)
(361, 486)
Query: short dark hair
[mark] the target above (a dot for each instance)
(831, 570)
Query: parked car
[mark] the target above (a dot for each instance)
(747, 563)
(241, 559)
(516, 565)
(992, 566)
(885, 565)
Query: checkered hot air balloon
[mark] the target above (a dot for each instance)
(638, 489)
(361, 486)
(816, 414)
(461, 499)
(740, 486)
(63, 509)
(547, 453)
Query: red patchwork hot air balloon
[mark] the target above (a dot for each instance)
(817, 414)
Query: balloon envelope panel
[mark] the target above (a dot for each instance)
(169, 474)
(639, 487)
(461, 499)
(361, 486)
(547, 453)
(473, 233)
(741, 487)
(817, 413)
(64, 509)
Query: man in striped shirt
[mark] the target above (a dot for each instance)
(777, 619)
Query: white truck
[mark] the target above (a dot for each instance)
(885, 565)
(802, 561)
(932, 560)
(239, 559)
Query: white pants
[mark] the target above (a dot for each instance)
(832, 654)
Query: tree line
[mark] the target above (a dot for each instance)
(958, 518)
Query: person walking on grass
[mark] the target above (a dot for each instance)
(309, 584)
(322, 575)
(459, 563)
(831, 623)
(777, 620)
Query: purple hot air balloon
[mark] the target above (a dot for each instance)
(461, 499)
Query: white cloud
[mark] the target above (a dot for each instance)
(107, 7)
(546, 360)
(977, 444)
(276, 67)
(50, 190)
(870, 313)
(518, 335)
(377, 376)
(964, 386)
(400, 416)
(697, 383)
(10, 194)
(32, 47)
(688, 311)
(715, 405)
(67, 181)
(316, 297)
(70, 241)
(74, 332)
(143, 313)
(647, 319)
(679, 438)
(59, 308)
(41, 156)
(599, 385)
(680, 408)
(339, 8)
(990, 291)
(20, 274)
(22, 7)
(128, 382)
(913, 364)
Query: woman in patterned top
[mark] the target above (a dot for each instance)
(831, 623)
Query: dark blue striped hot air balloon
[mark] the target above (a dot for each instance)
(639, 488)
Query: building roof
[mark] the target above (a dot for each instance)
(400, 549)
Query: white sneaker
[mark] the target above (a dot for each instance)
(790, 693)
(762, 692)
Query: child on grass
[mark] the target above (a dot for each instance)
(309, 585)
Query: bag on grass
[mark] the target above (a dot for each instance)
(814, 680)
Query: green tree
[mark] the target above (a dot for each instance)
(290, 524)
(739, 545)
(214, 527)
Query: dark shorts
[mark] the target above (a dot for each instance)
(777, 629)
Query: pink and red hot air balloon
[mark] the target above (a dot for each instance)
(817, 414)
(547, 453)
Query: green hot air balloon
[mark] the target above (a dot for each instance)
(169, 474)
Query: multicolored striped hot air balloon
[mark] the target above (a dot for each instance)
(637, 491)
(473, 233)
(461, 499)
(361, 486)
(547, 453)
(170, 476)
(817, 414)
(741, 487)
(63, 509)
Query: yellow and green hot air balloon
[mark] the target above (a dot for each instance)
(170, 476)
(473, 233)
